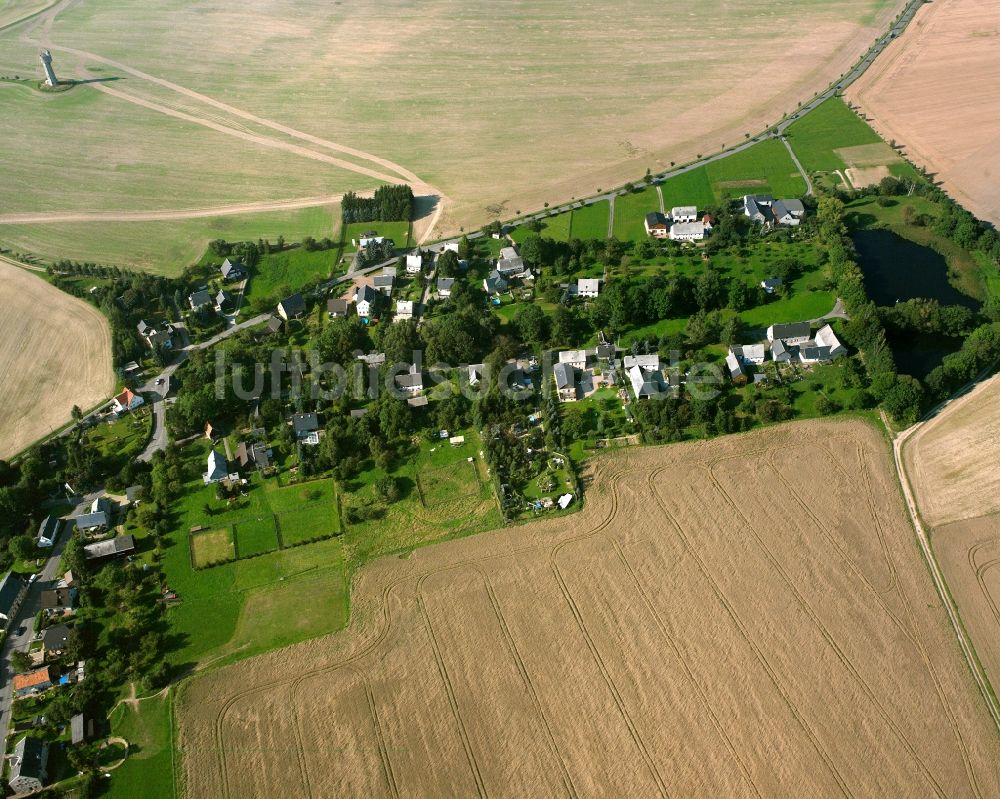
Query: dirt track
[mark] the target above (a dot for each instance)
(934, 92)
(745, 617)
(49, 361)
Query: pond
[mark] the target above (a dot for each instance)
(896, 270)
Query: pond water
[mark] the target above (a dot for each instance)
(896, 270)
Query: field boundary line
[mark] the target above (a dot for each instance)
(826, 634)
(738, 622)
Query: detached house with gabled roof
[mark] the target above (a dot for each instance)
(28, 765)
(790, 333)
(657, 225)
(365, 300)
(199, 299)
(156, 337)
(48, 531)
(565, 376)
(12, 593)
(444, 285)
(232, 270)
(222, 298)
(34, 682)
(494, 283)
(128, 400)
(414, 263)
(292, 307)
(217, 470)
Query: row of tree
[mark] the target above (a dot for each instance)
(389, 204)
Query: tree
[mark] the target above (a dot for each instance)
(903, 400)
(387, 488)
(532, 324)
(22, 547)
(447, 264)
(76, 413)
(20, 662)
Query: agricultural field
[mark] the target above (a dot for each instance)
(232, 123)
(946, 126)
(67, 364)
(821, 134)
(765, 168)
(946, 459)
(784, 617)
(630, 213)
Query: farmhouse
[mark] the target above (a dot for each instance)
(684, 213)
(336, 307)
(48, 531)
(755, 207)
(657, 225)
(28, 765)
(588, 287)
(414, 263)
(764, 209)
(825, 337)
(217, 470)
(199, 299)
(575, 358)
(12, 592)
(646, 382)
(782, 215)
(687, 231)
(494, 283)
(365, 300)
(99, 517)
(791, 333)
(384, 283)
(232, 270)
(565, 376)
(404, 310)
(444, 285)
(292, 307)
(118, 547)
(126, 401)
(749, 353)
(34, 682)
(642, 361)
(779, 352)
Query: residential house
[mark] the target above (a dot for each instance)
(121, 546)
(648, 362)
(12, 593)
(782, 215)
(28, 765)
(810, 352)
(825, 337)
(646, 382)
(336, 307)
(232, 270)
(256, 454)
(404, 310)
(199, 299)
(98, 519)
(684, 213)
(687, 231)
(223, 298)
(306, 427)
(54, 639)
(565, 377)
(292, 307)
(779, 352)
(475, 372)
(756, 207)
(390, 271)
(34, 682)
(384, 283)
(451, 246)
(750, 353)
(48, 531)
(588, 287)
(771, 284)
(56, 601)
(414, 263)
(417, 402)
(444, 285)
(511, 264)
(413, 381)
(575, 358)
(734, 367)
(764, 209)
(218, 469)
(156, 337)
(657, 225)
(791, 333)
(494, 283)
(81, 729)
(274, 324)
(365, 300)
(128, 400)
(708, 221)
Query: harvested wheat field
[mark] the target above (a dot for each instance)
(748, 616)
(49, 361)
(969, 553)
(951, 460)
(934, 91)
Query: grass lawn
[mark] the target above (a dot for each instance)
(553, 227)
(590, 222)
(300, 495)
(309, 524)
(123, 438)
(212, 546)
(256, 534)
(283, 273)
(765, 168)
(630, 213)
(399, 232)
(822, 131)
(689, 188)
(820, 380)
(148, 771)
(797, 308)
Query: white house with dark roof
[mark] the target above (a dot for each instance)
(790, 333)
(232, 270)
(750, 353)
(199, 299)
(825, 337)
(156, 336)
(365, 298)
(292, 307)
(494, 283)
(565, 376)
(510, 262)
(782, 215)
(384, 283)
(412, 382)
(575, 358)
(684, 213)
(734, 366)
(217, 470)
(651, 361)
(779, 352)
(28, 765)
(444, 285)
(414, 263)
(646, 382)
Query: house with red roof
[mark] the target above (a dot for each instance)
(126, 401)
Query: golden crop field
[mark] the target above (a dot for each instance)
(194, 105)
(748, 616)
(55, 352)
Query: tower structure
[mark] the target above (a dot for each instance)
(50, 75)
